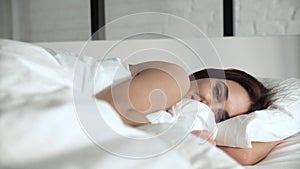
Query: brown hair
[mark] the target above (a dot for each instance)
(259, 95)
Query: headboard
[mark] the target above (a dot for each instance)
(273, 57)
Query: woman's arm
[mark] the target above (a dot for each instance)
(250, 156)
(153, 88)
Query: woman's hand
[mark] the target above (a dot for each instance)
(250, 156)
(204, 135)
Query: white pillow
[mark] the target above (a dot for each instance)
(279, 121)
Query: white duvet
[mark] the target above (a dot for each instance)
(40, 127)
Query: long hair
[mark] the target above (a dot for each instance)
(259, 95)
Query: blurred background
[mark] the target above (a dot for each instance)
(73, 20)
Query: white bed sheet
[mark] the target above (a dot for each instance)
(286, 155)
(39, 127)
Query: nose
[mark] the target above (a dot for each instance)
(213, 108)
(205, 102)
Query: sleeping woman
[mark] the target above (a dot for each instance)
(156, 86)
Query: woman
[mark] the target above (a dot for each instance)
(158, 86)
(246, 94)
(254, 97)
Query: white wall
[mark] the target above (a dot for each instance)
(253, 17)
(50, 20)
(267, 17)
(273, 57)
(5, 19)
(205, 14)
(66, 20)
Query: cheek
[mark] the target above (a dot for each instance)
(205, 92)
(238, 105)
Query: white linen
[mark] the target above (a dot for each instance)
(93, 74)
(279, 121)
(285, 155)
(190, 114)
(31, 66)
(39, 128)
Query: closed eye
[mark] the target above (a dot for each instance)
(220, 92)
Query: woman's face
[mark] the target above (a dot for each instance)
(226, 98)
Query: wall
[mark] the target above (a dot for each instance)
(44, 20)
(205, 14)
(267, 17)
(273, 57)
(5, 19)
(67, 20)
(252, 17)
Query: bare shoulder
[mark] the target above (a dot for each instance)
(154, 86)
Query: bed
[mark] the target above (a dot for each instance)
(41, 126)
